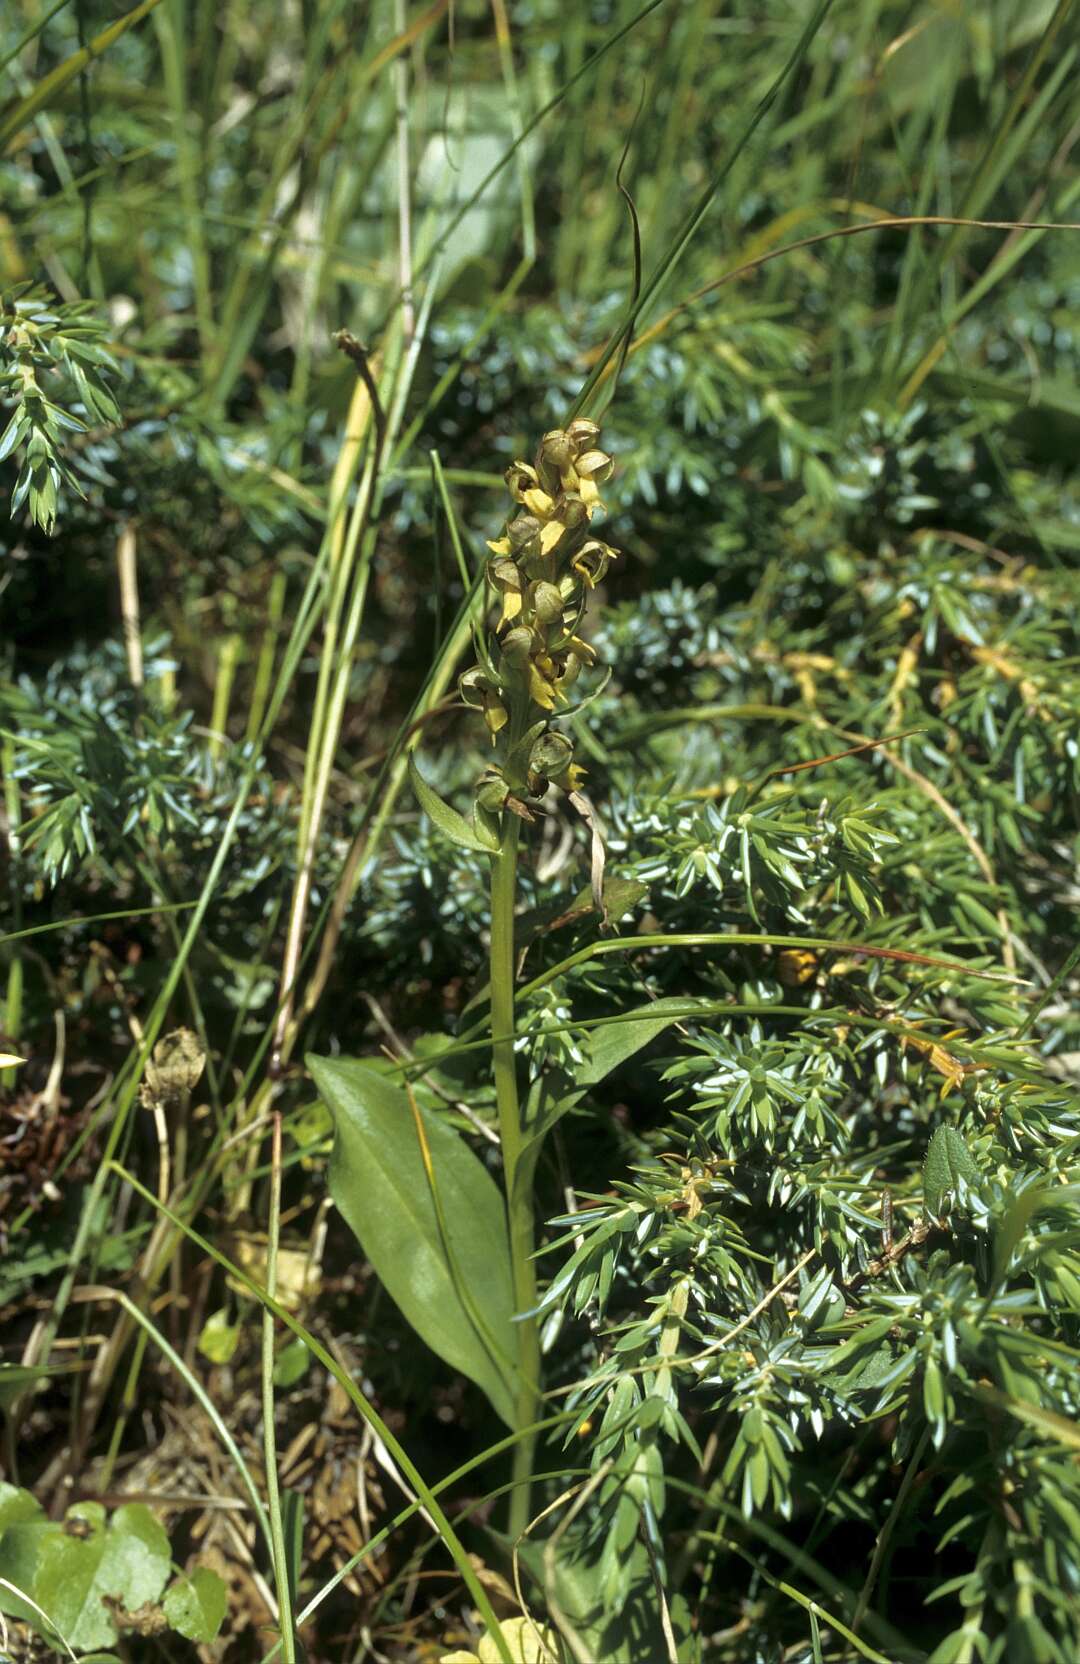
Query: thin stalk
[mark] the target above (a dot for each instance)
(127, 568)
(892, 1520)
(273, 1497)
(228, 659)
(264, 670)
(518, 1171)
(170, 24)
(404, 178)
(36, 28)
(13, 815)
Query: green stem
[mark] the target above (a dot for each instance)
(273, 1495)
(12, 805)
(518, 1165)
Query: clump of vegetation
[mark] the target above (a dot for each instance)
(599, 1181)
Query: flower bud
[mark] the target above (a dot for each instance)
(595, 465)
(582, 433)
(492, 795)
(474, 686)
(503, 575)
(546, 602)
(518, 644)
(551, 753)
(505, 578)
(480, 693)
(571, 510)
(557, 450)
(522, 531)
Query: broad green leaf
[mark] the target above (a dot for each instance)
(127, 1561)
(219, 1338)
(461, 1305)
(948, 1162)
(291, 1364)
(17, 1507)
(195, 1604)
(470, 835)
(24, 1525)
(615, 1042)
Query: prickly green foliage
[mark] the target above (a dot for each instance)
(108, 777)
(53, 362)
(846, 509)
(844, 1156)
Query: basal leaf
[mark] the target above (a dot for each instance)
(461, 1304)
(127, 1561)
(195, 1604)
(24, 1525)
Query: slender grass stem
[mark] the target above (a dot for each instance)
(13, 811)
(518, 1166)
(273, 1496)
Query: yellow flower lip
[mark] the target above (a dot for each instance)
(538, 500)
(541, 691)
